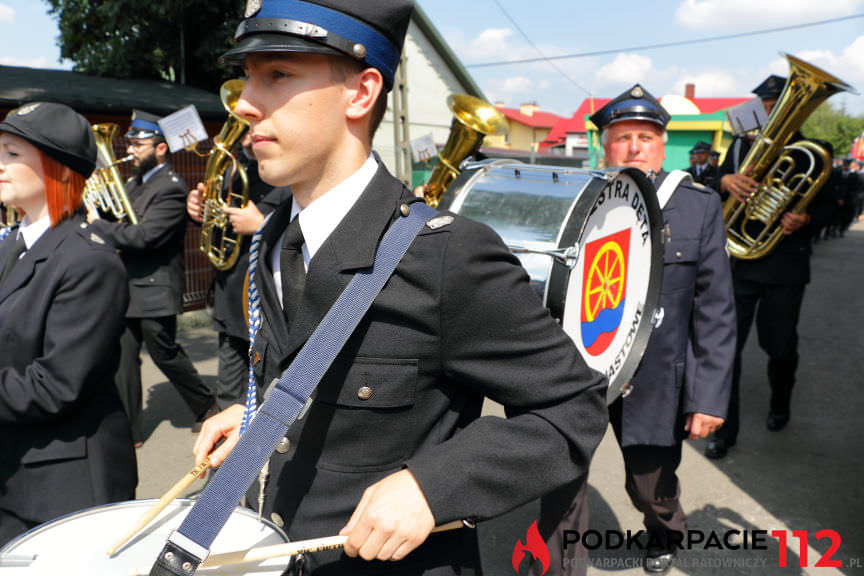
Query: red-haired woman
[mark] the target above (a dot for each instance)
(65, 442)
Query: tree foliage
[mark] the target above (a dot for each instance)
(170, 40)
(834, 125)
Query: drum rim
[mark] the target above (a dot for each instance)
(144, 503)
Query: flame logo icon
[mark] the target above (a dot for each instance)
(534, 544)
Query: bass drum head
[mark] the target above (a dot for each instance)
(613, 291)
(77, 544)
(591, 244)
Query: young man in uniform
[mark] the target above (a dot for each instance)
(152, 251)
(392, 443)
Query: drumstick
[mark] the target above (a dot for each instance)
(166, 499)
(293, 548)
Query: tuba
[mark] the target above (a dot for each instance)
(104, 190)
(218, 240)
(789, 176)
(472, 120)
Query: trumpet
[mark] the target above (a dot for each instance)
(105, 191)
(218, 240)
(473, 119)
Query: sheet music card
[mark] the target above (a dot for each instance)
(183, 128)
(747, 116)
(423, 149)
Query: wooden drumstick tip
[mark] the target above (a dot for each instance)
(166, 499)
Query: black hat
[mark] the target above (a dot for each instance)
(58, 131)
(370, 32)
(144, 125)
(701, 147)
(770, 88)
(715, 154)
(634, 104)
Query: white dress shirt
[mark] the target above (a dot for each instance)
(322, 216)
(32, 231)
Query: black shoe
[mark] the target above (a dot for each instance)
(211, 411)
(777, 420)
(718, 447)
(658, 560)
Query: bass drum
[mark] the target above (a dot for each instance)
(591, 244)
(77, 544)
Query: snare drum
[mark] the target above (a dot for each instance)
(591, 244)
(78, 544)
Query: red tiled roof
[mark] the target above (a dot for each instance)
(537, 120)
(711, 105)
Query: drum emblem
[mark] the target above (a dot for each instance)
(604, 290)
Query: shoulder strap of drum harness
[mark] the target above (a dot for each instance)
(189, 545)
(673, 179)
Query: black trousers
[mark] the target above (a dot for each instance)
(776, 309)
(233, 377)
(158, 334)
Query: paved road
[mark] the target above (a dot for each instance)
(806, 477)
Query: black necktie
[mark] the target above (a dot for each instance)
(293, 271)
(17, 250)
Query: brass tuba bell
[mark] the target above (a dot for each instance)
(105, 190)
(218, 240)
(789, 176)
(473, 119)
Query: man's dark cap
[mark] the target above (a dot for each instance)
(770, 88)
(634, 104)
(369, 32)
(715, 154)
(144, 125)
(58, 131)
(701, 147)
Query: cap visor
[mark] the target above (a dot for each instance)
(272, 43)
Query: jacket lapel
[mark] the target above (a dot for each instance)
(350, 247)
(44, 247)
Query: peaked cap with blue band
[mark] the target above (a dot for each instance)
(771, 87)
(369, 32)
(634, 104)
(144, 125)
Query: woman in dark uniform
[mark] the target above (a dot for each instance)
(65, 442)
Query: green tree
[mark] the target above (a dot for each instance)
(835, 126)
(176, 40)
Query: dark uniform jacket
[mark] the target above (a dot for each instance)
(687, 366)
(789, 262)
(152, 250)
(64, 438)
(228, 285)
(708, 177)
(457, 321)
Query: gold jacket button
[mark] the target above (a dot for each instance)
(277, 520)
(284, 446)
(364, 393)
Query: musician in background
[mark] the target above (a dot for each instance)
(701, 169)
(769, 289)
(229, 317)
(393, 443)
(152, 251)
(681, 388)
(64, 439)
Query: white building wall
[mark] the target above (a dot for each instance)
(430, 81)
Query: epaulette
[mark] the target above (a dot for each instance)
(91, 236)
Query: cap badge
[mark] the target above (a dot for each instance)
(252, 7)
(637, 92)
(24, 110)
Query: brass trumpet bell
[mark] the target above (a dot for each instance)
(473, 120)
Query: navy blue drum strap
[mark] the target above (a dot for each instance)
(189, 545)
